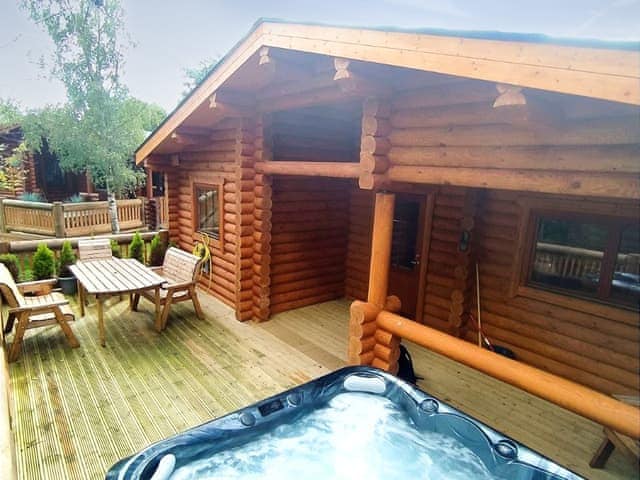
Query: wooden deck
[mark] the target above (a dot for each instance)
(78, 411)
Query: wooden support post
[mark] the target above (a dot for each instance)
(58, 219)
(149, 183)
(374, 144)
(381, 249)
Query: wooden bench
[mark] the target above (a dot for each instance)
(180, 270)
(49, 308)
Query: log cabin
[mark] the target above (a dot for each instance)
(456, 179)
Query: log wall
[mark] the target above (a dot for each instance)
(589, 348)
(308, 240)
(215, 164)
(359, 246)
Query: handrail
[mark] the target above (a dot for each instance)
(584, 401)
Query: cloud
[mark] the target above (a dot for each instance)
(444, 7)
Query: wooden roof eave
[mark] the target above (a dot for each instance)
(611, 75)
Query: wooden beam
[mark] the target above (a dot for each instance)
(278, 68)
(381, 249)
(317, 169)
(231, 104)
(568, 183)
(187, 139)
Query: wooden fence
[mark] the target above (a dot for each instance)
(68, 219)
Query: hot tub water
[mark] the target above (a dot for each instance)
(356, 435)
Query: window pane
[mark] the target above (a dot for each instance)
(568, 255)
(625, 285)
(208, 215)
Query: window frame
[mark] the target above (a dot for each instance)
(216, 239)
(614, 212)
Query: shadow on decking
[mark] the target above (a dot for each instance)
(77, 411)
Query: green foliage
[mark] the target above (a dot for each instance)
(11, 262)
(75, 198)
(136, 248)
(31, 197)
(10, 113)
(194, 76)
(43, 264)
(100, 126)
(67, 258)
(157, 250)
(115, 249)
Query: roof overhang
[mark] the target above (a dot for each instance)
(602, 73)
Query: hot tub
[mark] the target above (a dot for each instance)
(357, 422)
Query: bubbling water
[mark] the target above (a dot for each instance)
(356, 435)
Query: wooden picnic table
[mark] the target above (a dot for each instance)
(115, 276)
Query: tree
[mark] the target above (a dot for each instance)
(10, 113)
(197, 74)
(100, 126)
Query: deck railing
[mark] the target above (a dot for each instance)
(564, 261)
(68, 219)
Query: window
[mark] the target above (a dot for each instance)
(595, 257)
(207, 209)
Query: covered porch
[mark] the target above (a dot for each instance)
(77, 411)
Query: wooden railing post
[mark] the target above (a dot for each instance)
(381, 249)
(58, 219)
(3, 227)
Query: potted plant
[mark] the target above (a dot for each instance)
(43, 263)
(12, 263)
(66, 280)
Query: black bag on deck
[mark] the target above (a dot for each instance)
(405, 366)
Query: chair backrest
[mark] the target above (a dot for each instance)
(180, 266)
(9, 288)
(98, 249)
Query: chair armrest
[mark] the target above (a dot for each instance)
(157, 270)
(177, 286)
(43, 286)
(37, 308)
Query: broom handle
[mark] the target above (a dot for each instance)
(478, 304)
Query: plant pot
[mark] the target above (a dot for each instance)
(68, 285)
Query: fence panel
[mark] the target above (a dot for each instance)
(28, 217)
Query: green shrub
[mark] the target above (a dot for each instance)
(75, 198)
(43, 264)
(157, 250)
(31, 197)
(136, 248)
(115, 249)
(67, 258)
(13, 265)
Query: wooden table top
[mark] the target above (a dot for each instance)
(115, 275)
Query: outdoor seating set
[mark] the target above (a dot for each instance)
(100, 274)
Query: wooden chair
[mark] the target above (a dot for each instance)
(33, 312)
(180, 269)
(96, 249)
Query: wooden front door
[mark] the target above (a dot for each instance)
(406, 251)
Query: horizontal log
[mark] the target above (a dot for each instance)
(621, 131)
(361, 345)
(361, 330)
(285, 297)
(568, 183)
(361, 359)
(323, 169)
(451, 93)
(389, 355)
(620, 158)
(318, 281)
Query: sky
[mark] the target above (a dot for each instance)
(171, 36)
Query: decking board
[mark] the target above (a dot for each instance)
(77, 411)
